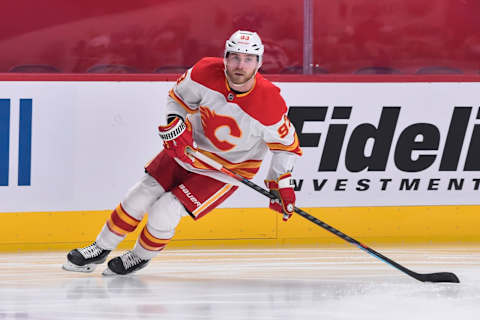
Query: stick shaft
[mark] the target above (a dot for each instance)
(436, 277)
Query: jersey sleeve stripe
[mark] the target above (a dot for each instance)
(294, 147)
(180, 102)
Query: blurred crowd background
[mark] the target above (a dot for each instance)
(300, 36)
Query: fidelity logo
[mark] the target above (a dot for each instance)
(368, 146)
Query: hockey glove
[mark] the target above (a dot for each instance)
(177, 136)
(282, 188)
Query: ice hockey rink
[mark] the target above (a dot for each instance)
(289, 283)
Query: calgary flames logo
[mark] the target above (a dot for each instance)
(211, 122)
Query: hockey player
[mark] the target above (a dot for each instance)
(226, 110)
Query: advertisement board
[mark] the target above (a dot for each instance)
(67, 145)
(377, 144)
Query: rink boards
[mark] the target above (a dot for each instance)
(260, 227)
(392, 162)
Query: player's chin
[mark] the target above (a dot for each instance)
(233, 77)
(241, 80)
(238, 79)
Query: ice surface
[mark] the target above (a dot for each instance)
(242, 284)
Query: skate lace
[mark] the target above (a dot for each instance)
(130, 259)
(91, 251)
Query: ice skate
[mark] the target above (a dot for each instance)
(85, 259)
(125, 264)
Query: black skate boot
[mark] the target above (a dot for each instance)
(127, 263)
(85, 259)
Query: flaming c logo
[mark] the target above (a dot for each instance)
(211, 122)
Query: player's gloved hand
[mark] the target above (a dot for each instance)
(282, 188)
(177, 136)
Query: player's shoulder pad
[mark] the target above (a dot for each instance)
(207, 70)
(270, 106)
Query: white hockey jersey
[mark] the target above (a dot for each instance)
(236, 130)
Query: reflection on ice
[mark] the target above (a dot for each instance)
(245, 284)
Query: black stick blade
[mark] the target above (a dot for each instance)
(439, 277)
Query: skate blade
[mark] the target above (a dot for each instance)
(109, 273)
(68, 266)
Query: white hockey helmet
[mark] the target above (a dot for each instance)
(245, 42)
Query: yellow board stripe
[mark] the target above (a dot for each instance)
(401, 225)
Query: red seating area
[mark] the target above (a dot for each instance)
(404, 35)
(151, 36)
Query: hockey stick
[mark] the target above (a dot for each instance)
(424, 277)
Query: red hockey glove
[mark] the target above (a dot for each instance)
(283, 189)
(177, 136)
